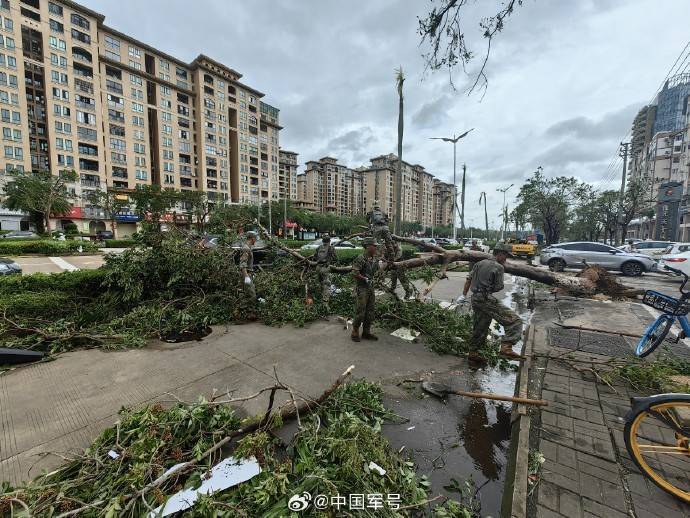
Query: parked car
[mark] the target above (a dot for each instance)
(651, 248)
(101, 235)
(20, 234)
(676, 248)
(576, 254)
(679, 260)
(9, 267)
(337, 243)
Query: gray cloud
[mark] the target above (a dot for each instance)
(433, 113)
(611, 125)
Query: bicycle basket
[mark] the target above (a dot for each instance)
(666, 303)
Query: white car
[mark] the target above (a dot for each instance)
(679, 261)
(337, 243)
(652, 248)
(677, 248)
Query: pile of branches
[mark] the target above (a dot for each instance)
(329, 455)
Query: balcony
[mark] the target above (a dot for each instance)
(90, 183)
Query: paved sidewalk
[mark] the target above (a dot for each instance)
(587, 472)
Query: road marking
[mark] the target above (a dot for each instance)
(59, 261)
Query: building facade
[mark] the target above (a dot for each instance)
(77, 94)
(286, 180)
(327, 186)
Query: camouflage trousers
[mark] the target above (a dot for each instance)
(248, 298)
(383, 233)
(486, 308)
(323, 273)
(364, 307)
(399, 274)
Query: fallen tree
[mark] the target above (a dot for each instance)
(590, 281)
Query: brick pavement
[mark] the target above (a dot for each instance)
(587, 472)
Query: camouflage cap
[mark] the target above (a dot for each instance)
(251, 234)
(504, 249)
(367, 241)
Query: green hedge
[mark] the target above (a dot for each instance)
(119, 243)
(45, 247)
(78, 281)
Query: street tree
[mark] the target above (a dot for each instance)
(482, 196)
(607, 206)
(111, 203)
(548, 203)
(197, 208)
(633, 204)
(40, 194)
(443, 31)
(153, 203)
(587, 224)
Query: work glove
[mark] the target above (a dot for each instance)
(461, 299)
(247, 280)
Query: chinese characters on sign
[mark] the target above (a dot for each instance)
(352, 502)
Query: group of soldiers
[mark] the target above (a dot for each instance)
(485, 279)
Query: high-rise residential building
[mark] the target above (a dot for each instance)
(327, 186)
(286, 181)
(77, 94)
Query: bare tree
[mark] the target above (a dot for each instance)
(442, 29)
(399, 80)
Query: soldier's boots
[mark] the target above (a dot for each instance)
(366, 334)
(507, 352)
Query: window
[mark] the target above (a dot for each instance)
(167, 129)
(141, 175)
(137, 121)
(56, 26)
(135, 80)
(140, 161)
(165, 116)
(167, 141)
(112, 55)
(80, 21)
(137, 107)
(165, 90)
(134, 64)
(81, 36)
(118, 144)
(112, 43)
(116, 130)
(134, 52)
(139, 148)
(54, 9)
(118, 158)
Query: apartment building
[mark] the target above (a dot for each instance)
(77, 94)
(287, 175)
(327, 186)
(418, 191)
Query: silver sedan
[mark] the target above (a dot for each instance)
(577, 254)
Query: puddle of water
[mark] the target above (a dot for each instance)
(459, 438)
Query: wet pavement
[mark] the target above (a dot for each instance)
(458, 438)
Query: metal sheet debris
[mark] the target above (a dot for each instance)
(378, 469)
(227, 473)
(407, 334)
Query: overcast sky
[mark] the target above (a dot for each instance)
(565, 78)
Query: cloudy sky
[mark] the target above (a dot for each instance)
(565, 78)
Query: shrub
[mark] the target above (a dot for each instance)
(44, 247)
(293, 243)
(76, 283)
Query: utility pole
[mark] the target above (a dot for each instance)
(454, 140)
(462, 199)
(503, 227)
(623, 152)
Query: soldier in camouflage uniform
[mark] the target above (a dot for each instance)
(248, 301)
(400, 274)
(486, 278)
(378, 221)
(364, 268)
(325, 256)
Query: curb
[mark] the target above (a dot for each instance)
(515, 489)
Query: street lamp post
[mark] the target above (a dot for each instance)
(454, 140)
(503, 227)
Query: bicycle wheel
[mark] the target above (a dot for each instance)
(654, 335)
(658, 440)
